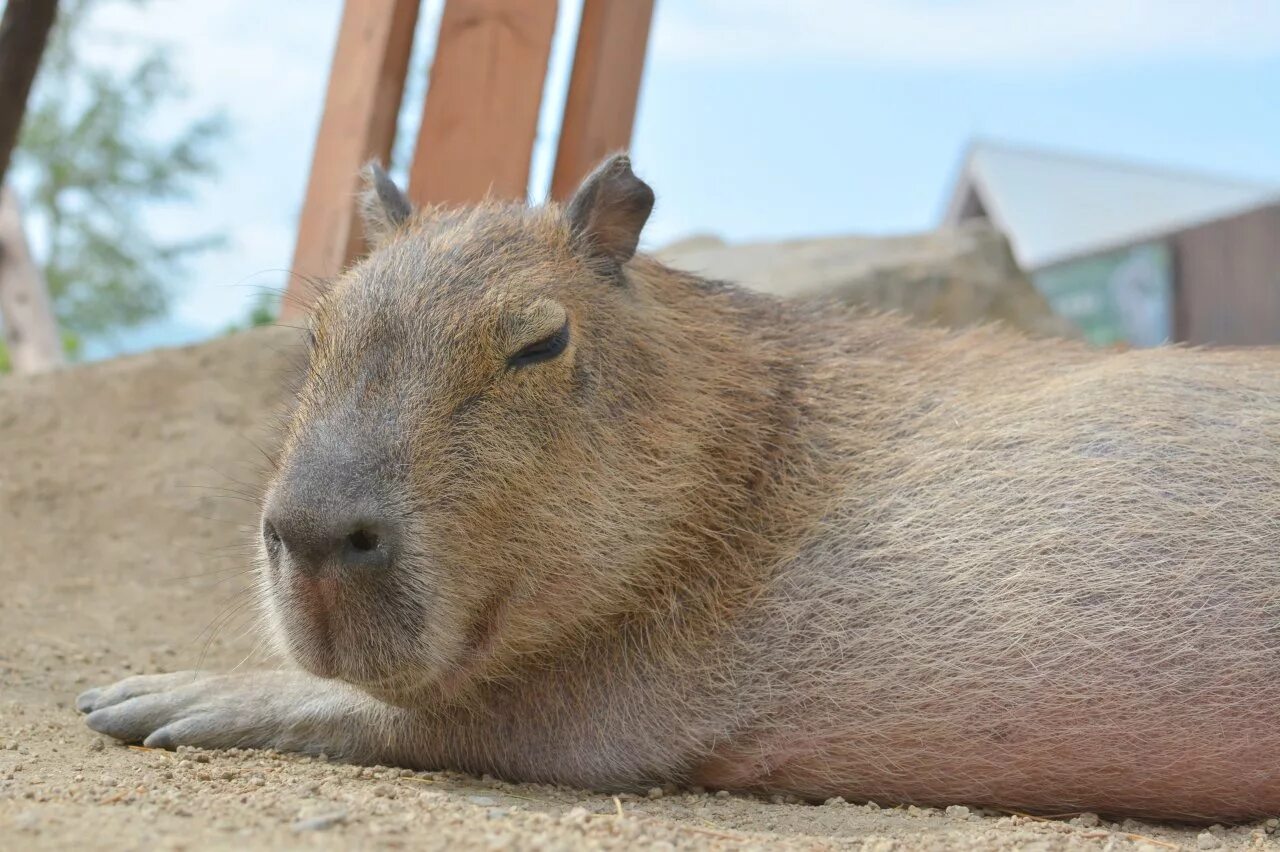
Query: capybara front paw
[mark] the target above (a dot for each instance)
(183, 708)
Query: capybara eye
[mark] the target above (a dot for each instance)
(271, 538)
(543, 350)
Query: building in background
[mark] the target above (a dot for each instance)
(1131, 253)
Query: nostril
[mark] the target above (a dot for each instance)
(363, 540)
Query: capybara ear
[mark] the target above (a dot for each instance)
(383, 207)
(610, 208)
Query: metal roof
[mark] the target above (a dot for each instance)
(1055, 206)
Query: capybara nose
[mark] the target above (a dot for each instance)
(343, 543)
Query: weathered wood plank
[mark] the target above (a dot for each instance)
(481, 112)
(604, 88)
(366, 84)
(1228, 274)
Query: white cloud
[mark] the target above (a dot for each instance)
(967, 34)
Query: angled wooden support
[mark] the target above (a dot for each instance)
(480, 118)
(481, 113)
(366, 83)
(605, 87)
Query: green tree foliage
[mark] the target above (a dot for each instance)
(94, 166)
(263, 311)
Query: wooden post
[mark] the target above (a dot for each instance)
(24, 29)
(366, 84)
(30, 331)
(481, 111)
(604, 89)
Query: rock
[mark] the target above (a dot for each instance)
(321, 822)
(1207, 840)
(953, 277)
(27, 821)
(957, 812)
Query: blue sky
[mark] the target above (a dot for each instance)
(758, 119)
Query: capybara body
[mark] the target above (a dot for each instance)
(559, 513)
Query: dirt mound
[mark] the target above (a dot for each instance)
(955, 277)
(127, 493)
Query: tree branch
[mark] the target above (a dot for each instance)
(24, 29)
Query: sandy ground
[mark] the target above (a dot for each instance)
(125, 495)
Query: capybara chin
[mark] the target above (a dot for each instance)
(552, 511)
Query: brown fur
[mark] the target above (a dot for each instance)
(783, 547)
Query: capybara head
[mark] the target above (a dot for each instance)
(499, 433)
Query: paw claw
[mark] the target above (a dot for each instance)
(108, 721)
(87, 700)
(163, 738)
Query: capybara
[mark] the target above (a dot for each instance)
(549, 510)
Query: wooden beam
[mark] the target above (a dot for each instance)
(481, 112)
(30, 331)
(366, 84)
(604, 89)
(24, 29)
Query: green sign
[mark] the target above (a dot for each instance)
(1123, 296)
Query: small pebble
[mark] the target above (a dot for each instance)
(656, 793)
(957, 811)
(482, 801)
(1207, 840)
(321, 822)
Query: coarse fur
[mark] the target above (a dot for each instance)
(782, 547)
